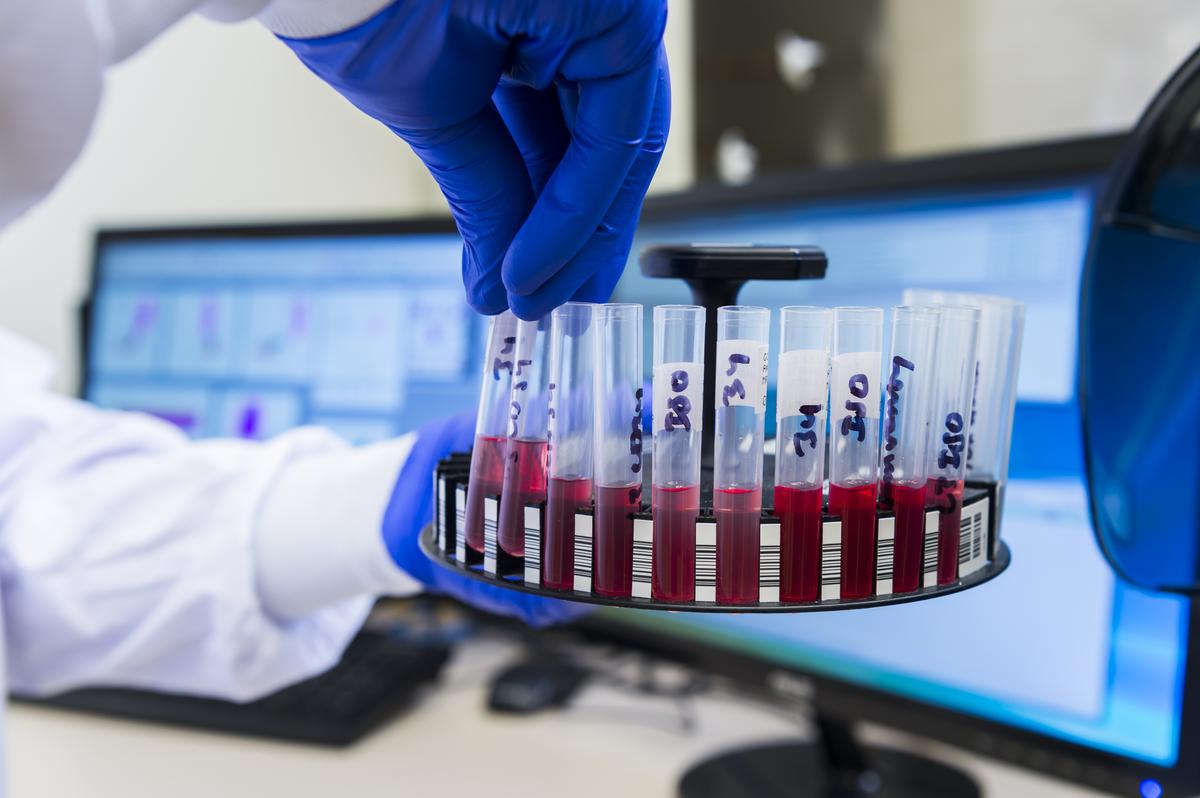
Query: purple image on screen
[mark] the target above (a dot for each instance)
(248, 425)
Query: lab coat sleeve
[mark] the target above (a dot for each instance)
(130, 555)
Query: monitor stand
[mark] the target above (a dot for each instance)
(834, 766)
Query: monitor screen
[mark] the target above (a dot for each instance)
(248, 336)
(369, 334)
(1055, 645)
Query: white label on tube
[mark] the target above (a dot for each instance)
(583, 553)
(460, 524)
(502, 348)
(491, 511)
(741, 377)
(677, 392)
(803, 380)
(972, 546)
(930, 553)
(853, 392)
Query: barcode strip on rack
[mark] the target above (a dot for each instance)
(964, 538)
(533, 546)
(930, 552)
(643, 556)
(768, 563)
(885, 556)
(706, 561)
(460, 523)
(583, 553)
(831, 560)
(491, 511)
(975, 528)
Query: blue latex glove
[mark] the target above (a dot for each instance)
(542, 122)
(410, 509)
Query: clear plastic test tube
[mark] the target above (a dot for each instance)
(529, 416)
(491, 424)
(954, 383)
(903, 457)
(677, 402)
(1001, 327)
(854, 401)
(618, 444)
(573, 350)
(740, 410)
(802, 415)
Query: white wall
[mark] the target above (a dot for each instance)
(221, 123)
(973, 73)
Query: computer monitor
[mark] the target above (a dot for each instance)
(1056, 664)
(248, 331)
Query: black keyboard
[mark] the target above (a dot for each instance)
(377, 677)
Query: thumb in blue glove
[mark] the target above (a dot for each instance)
(410, 510)
(542, 122)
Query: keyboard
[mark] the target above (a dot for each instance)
(377, 677)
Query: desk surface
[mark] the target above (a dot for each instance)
(610, 743)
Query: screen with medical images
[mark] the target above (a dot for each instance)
(246, 337)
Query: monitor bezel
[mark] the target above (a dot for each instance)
(1043, 164)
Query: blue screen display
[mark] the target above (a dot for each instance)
(1055, 645)
(368, 335)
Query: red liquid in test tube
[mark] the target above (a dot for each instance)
(946, 497)
(799, 511)
(612, 558)
(524, 483)
(486, 479)
(855, 505)
(908, 504)
(675, 512)
(738, 512)
(564, 498)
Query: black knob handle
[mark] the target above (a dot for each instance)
(716, 273)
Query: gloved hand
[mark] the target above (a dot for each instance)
(542, 121)
(411, 509)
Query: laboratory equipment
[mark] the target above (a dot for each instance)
(740, 399)
(854, 401)
(677, 422)
(954, 385)
(529, 420)
(802, 419)
(572, 333)
(491, 428)
(618, 445)
(904, 466)
(993, 399)
(722, 553)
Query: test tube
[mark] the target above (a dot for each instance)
(525, 457)
(618, 445)
(740, 398)
(572, 334)
(954, 383)
(801, 420)
(904, 462)
(678, 391)
(854, 399)
(491, 424)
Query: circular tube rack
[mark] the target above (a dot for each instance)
(981, 554)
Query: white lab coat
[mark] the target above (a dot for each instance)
(130, 555)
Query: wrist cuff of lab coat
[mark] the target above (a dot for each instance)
(308, 19)
(319, 537)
